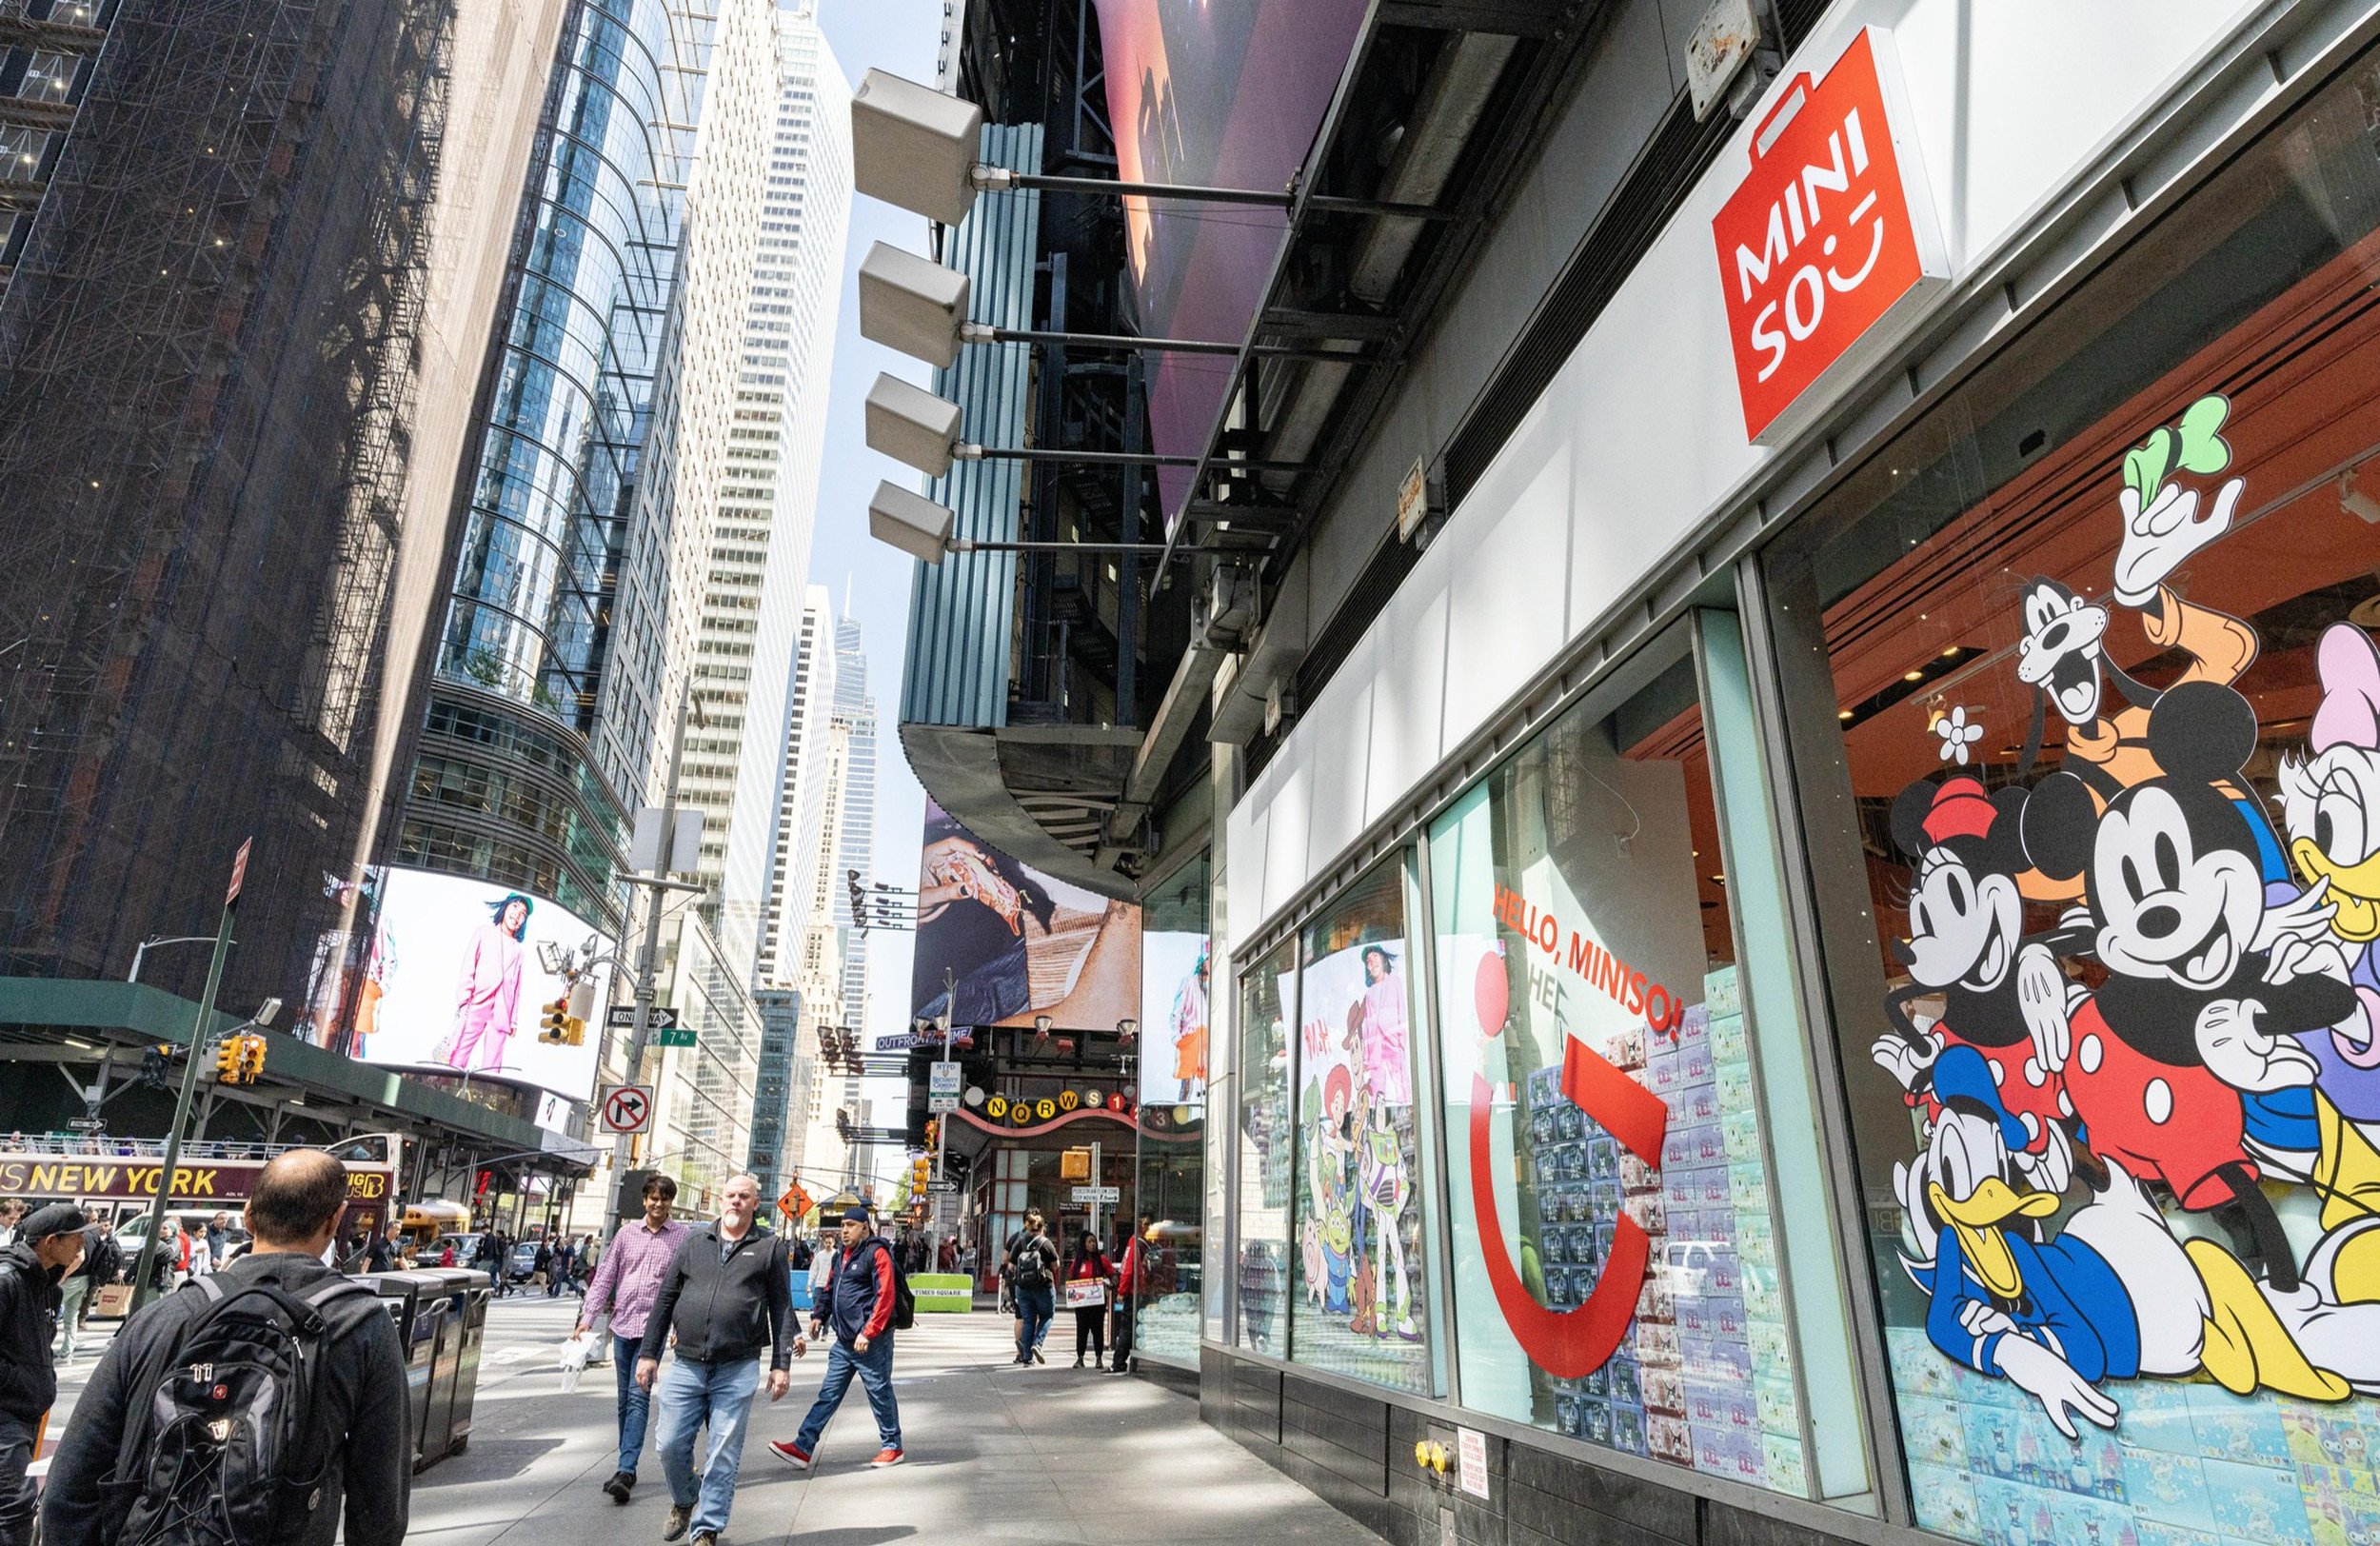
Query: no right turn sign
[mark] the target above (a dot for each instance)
(626, 1108)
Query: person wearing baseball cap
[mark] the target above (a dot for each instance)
(48, 1243)
(858, 1307)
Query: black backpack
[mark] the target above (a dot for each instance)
(208, 1458)
(1028, 1261)
(905, 1303)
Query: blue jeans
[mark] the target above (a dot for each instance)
(1036, 1307)
(874, 1367)
(713, 1395)
(636, 1405)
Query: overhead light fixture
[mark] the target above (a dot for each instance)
(915, 148)
(911, 425)
(910, 521)
(912, 304)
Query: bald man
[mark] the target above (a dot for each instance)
(362, 1443)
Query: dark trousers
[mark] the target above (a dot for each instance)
(1123, 1332)
(18, 1496)
(1090, 1330)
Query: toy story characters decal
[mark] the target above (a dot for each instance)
(2114, 1110)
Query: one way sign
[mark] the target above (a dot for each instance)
(622, 1016)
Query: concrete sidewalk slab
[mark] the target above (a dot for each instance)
(996, 1453)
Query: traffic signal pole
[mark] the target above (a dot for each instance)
(648, 959)
(190, 1088)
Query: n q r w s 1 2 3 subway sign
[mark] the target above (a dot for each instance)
(1830, 246)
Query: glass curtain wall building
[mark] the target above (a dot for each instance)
(510, 784)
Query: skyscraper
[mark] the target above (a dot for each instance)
(801, 818)
(516, 781)
(250, 258)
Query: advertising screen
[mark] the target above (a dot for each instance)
(1174, 987)
(456, 979)
(999, 943)
(1222, 96)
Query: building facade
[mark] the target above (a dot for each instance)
(1734, 919)
(249, 250)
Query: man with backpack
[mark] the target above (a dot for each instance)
(727, 1297)
(304, 1411)
(1029, 1274)
(865, 1301)
(48, 1243)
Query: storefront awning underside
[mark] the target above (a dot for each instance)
(38, 1014)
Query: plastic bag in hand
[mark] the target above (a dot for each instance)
(574, 1355)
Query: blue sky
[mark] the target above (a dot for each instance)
(902, 36)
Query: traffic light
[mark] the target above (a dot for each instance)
(251, 1059)
(554, 1026)
(920, 1174)
(933, 1132)
(229, 1058)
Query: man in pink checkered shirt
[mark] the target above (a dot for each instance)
(626, 1281)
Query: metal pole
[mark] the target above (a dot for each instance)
(182, 1111)
(647, 959)
(1098, 1178)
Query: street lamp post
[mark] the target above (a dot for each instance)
(158, 941)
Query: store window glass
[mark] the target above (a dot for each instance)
(1360, 1302)
(2101, 689)
(1268, 994)
(1604, 1140)
(1175, 978)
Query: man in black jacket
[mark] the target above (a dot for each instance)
(727, 1297)
(49, 1244)
(366, 1448)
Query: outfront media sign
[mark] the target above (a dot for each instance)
(1830, 246)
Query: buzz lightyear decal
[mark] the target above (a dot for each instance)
(2143, 1125)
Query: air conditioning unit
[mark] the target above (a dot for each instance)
(1227, 610)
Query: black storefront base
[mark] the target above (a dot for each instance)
(1356, 1452)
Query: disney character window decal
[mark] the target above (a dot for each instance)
(2116, 1107)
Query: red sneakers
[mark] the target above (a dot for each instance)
(791, 1453)
(886, 1457)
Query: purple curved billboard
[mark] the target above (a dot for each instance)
(1224, 93)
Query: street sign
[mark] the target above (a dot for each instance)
(946, 1187)
(904, 1041)
(942, 1091)
(86, 1124)
(794, 1202)
(239, 873)
(622, 1016)
(1107, 1195)
(677, 1036)
(627, 1108)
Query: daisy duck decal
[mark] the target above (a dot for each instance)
(2138, 1029)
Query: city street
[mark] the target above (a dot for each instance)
(995, 1452)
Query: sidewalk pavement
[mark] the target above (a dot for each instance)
(995, 1452)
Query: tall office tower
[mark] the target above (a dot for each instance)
(855, 821)
(516, 781)
(251, 254)
(800, 817)
(687, 621)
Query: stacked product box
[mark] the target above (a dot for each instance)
(1777, 1407)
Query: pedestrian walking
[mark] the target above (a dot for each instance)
(727, 1299)
(859, 1311)
(626, 1282)
(219, 1238)
(542, 1266)
(1090, 1281)
(49, 1244)
(1127, 1300)
(1027, 1275)
(74, 1293)
(318, 1410)
(381, 1256)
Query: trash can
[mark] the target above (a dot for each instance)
(416, 1309)
(455, 1376)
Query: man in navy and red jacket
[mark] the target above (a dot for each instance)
(856, 1301)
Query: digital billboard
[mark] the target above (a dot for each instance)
(1174, 986)
(998, 941)
(455, 980)
(1227, 96)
